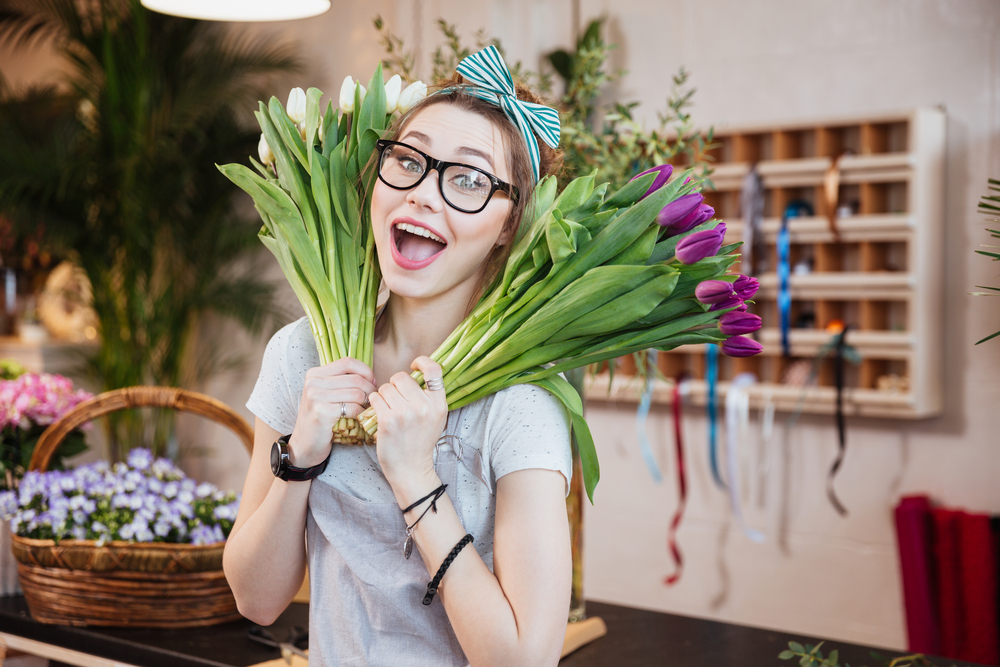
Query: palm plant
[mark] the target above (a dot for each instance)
(118, 163)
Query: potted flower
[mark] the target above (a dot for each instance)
(29, 402)
(100, 527)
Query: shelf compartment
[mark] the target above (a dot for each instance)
(853, 286)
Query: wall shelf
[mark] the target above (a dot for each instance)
(881, 274)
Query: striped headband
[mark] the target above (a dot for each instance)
(492, 82)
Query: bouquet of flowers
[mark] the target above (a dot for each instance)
(28, 404)
(143, 500)
(308, 191)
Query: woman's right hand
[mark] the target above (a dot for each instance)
(345, 381)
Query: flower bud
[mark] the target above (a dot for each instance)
(392, 90)
(663, 173)
(746, 286)
(696, 247)
(296, 106)
(696, 217)
(741, 346)
(732, 301)
(412, 94)
(679, 209)
(347, 95)
(735, 323)
(264, 151)
(713, 291)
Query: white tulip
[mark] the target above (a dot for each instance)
(364, 91)
(347, 95)
(392, 89)
(264, 151)
(412, 94)
(296, 106)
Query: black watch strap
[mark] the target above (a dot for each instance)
(283, 470)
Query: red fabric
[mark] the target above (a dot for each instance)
(913, 535)
(977, 582)
(950, 610)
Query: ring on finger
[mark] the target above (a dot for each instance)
(434, 384)
(343, 410)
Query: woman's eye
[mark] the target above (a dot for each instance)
(471, 181)
(410, 164)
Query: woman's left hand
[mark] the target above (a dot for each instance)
(410, 422)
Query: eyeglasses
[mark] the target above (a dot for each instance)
(464, 188)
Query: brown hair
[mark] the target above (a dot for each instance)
(518, 161)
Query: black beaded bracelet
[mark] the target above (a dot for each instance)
(432, 587)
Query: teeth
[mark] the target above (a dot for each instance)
(420, 231)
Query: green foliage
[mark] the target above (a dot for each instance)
(990, 205)
(811, 656)
(17, 445)
(11, 369)
(118, 163)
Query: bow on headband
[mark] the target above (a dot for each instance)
(493, 83)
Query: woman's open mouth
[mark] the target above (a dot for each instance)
(413, 246)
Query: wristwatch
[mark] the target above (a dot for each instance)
(283, 470)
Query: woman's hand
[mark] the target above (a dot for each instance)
(410, 422)
(346, 382)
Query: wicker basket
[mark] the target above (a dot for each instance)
(154, 585)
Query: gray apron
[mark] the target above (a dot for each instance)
(365, 604)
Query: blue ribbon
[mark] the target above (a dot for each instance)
(493, 83)
(642, 414)
(784, 291)
(712, 378)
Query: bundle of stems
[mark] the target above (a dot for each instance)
(309, 199)
(592, 278)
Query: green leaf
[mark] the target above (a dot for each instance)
(797, 647)
(786, 655)
(834, 657)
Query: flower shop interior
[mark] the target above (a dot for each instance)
(842, 486)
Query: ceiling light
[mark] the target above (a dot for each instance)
(239, 10)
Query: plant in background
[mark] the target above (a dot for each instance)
(811, 656)
(118, 164)
(990, 205)
(143, 500)
(28, 405)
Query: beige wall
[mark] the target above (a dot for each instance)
(760, 61)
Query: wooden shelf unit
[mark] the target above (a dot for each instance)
(883, 276)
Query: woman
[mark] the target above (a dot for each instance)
(443, 232)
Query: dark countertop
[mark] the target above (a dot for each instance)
(636, 638)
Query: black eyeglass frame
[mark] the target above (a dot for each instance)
(440, 166)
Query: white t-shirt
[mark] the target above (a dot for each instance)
(515, 429)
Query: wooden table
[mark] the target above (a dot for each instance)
(636, 638)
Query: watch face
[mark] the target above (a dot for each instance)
(275, 458)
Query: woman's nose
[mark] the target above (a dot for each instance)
(428, 193)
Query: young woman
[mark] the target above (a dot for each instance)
(455, 174)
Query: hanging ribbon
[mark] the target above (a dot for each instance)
(641, 415)
(712, 378)
(752, 205)
(784, 292)
(764, 451)
(838, 375)
(738, 410)
(493, 83)
(675, 523)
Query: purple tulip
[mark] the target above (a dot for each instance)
(695, 218)
(735, 323)
(713, 291)
(731, 302)
(746, 286)
(679, 209)
(741, 346)
(696, 247)
(663, 173)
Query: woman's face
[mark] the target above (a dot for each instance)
(414, 265)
